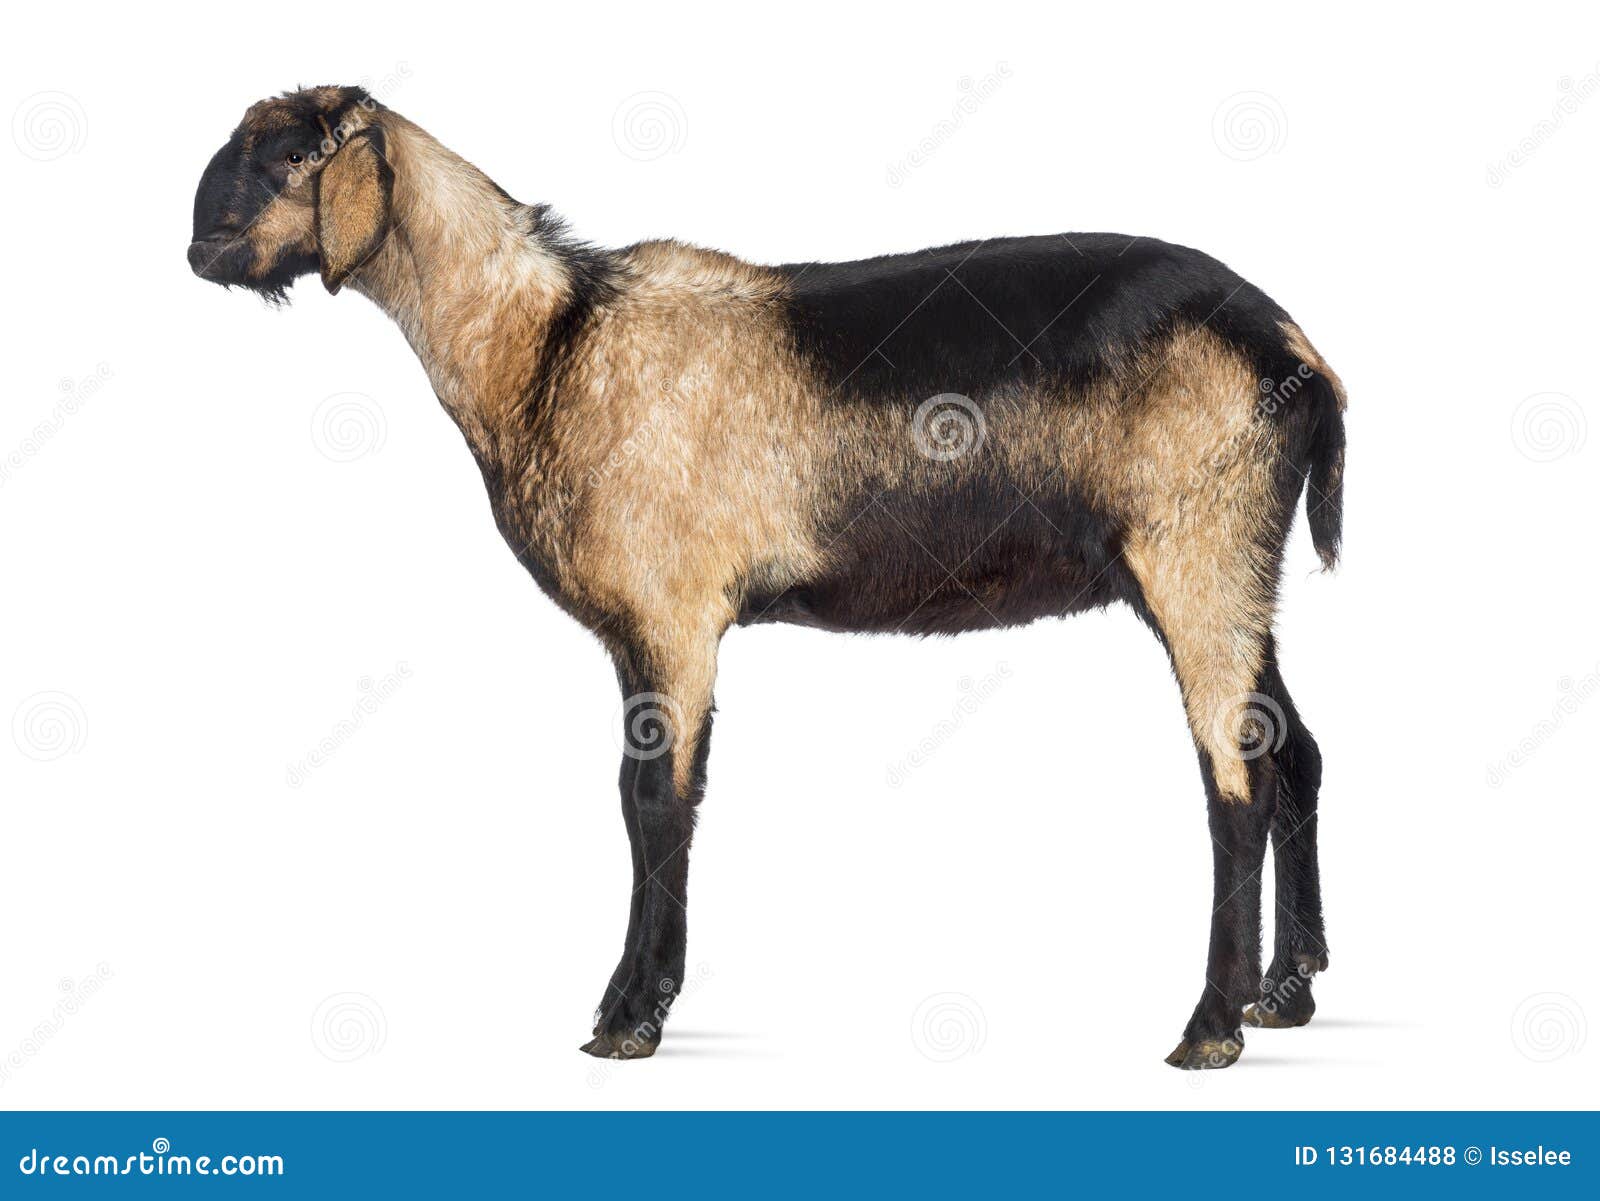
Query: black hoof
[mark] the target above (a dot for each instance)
(619, 1046)
(1206, 1054)
(1264, 1015)
(1286, 994)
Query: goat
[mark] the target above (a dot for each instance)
(865, 446)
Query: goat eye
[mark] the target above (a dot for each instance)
(296, 158)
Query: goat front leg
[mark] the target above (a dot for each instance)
(630, 818)
(1300, 948)
(666, 718)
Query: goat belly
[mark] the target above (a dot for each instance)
(884, 583)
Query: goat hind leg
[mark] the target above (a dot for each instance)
(1300, 947)
(1207, 601)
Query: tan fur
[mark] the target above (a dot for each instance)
(721, 503)
(266, 116)
(743, 452)
(1300, 346)
(287, 222)
(352, 209)
(1195, 541)
(686, 357)
(471, 291)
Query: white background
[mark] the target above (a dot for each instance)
(199, 576)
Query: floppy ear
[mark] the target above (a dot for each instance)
(352, 198)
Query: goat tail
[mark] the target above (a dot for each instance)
(1315, 421)
(1325, 468)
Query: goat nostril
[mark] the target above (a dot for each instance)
(205, 252)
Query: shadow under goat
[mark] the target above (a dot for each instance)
(979, 435)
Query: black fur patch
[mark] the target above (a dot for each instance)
(978, 317)
(988, 320)
(988, 551)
